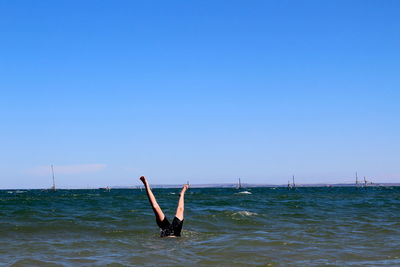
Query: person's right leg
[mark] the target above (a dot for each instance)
(181, 203)
(156, 208)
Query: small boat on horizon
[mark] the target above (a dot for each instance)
(291, 186)
(239, 185)
(108, 189)
(53, 188)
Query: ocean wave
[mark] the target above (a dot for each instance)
(309, 226)
(245, 213)
(245, 192)
(33, 262)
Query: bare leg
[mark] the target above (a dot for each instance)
(181, 203)
(156, 208)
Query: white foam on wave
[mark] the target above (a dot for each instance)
(245, 192)
(188, 233)
(245, 213)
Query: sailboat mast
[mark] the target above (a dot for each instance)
(356, 178)
(294, 185)
(54, 183)
(240, 184)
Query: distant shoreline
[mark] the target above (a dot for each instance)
(228, 185)
(245, 185)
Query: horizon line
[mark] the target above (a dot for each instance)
(217, 185)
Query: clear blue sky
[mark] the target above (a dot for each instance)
(201, 90)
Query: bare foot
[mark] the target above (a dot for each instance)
(144, 180)
(184, 188)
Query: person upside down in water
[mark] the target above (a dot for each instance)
(166, 228)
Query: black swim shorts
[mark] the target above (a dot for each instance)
(168, 229)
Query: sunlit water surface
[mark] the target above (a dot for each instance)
(223, 227)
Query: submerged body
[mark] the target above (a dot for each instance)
(166, 228)
(170, 230)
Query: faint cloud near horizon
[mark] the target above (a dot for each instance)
(67, 169)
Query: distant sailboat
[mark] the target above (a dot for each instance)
(54, 183)
(239, 186)
(108, 189)
(294, 185)
(356, 179)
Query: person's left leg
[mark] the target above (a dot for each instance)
(152, 199)
(181, 203)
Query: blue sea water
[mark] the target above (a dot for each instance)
(336, 226)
